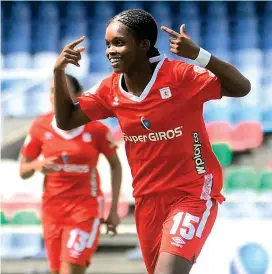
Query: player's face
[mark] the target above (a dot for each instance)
(123, 49)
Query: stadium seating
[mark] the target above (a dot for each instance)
(3, 218)
(220, 132)
(223, 153)
(247, 135)
(241, 179)
(265, 185)
(25, 218)
(239, 33)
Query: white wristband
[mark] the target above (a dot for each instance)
(203, 57)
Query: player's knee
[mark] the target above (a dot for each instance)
(67, 268)
(172, 264)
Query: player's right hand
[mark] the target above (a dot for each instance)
(70, 55)
(45, 165)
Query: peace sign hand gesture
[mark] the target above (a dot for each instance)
(181, 44)
(70, 55)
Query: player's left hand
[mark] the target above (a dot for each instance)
(181, 44)
(112, 222)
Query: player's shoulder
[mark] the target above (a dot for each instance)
(96, 127)
(177, 65)
(101, 86)
(42, 120)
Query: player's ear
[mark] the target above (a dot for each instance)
(145, 45)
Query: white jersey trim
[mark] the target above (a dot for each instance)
(132, 97)
(64, 134)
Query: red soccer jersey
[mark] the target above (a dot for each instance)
(166, 141)
(70, 193)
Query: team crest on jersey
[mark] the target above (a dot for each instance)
(48, 135)
(146, 124)
(165, 93)
(87, 137)
(116, 101)
(64, 157)
(199, 70)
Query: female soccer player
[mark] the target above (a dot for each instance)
(159, 104)
(72, 196)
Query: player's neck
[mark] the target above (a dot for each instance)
(136, 81)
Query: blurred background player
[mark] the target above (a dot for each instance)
(72, 201)
(177, 178)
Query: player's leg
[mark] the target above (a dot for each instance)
(67, 268)
(172, 264)
(185, 231)
(52, 242)
(149, 219)
(79, 243)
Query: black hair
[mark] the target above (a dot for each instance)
(142, 25)
(77, 87)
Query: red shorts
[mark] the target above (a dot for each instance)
(173, 222)
(71, 244)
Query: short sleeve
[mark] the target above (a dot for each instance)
(201, 84)
(105, 142)
(32, 145)
(94, 102)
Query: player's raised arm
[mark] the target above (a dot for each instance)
(68, 115)
(233, 83)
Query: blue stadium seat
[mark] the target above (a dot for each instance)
(48, 12)
(43, 42)
(45, 60)
(127, 5)
(18, 37)
(245, 9)
(97, 46)
(20, 12)
(268, 9)
(160, 10)
(187, 9)
(248, 57)
(76, 29)
(99, 63)
(217, 9)
(213, 42)
(267, 34)
(268, 59)
(18, 60)
(104, 10)
(246, 25)
(267, 106)
(217, 26)
(75, 11)
(247, 109)
(245, 41)
(218, 111)
(97, 32)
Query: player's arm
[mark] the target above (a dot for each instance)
(233, 83)
(68, 115)
(107, 146)
(116, 178)
(29, 166)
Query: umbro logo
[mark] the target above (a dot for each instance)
(165, 93)
(178, 240)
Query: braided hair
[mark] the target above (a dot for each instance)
(142, 25)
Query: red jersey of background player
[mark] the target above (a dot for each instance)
(71, 193)
(166, 142)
